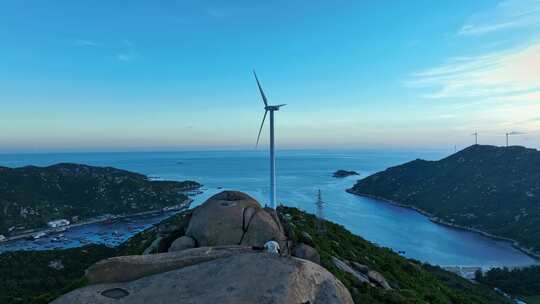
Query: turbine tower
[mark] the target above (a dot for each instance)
(475, 137)
(271, 109)
(512, 133)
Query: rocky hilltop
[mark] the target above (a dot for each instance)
(225, 251)
(486, 188)
(30, 196)
(223, 257)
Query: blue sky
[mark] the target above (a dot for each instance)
(138, 75)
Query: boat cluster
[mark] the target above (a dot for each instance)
(57, 234)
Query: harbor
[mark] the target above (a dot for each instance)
(107, 232)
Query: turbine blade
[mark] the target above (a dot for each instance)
(260, 130)
(261, 90)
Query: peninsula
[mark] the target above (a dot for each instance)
(494, 190)
(31, 197)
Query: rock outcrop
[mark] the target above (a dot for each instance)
(240, 278)
(362, 273)
(232, 217)
(306, 238)
(128, 268)
(182, 243)
(230, 267)
(379, 279)
(343, 266)
(306, 252)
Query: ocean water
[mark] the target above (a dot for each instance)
(301, 173)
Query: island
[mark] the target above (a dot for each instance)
(488, 189)
(344, 173)
(36, 197)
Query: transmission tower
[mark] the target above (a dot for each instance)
(320, 216)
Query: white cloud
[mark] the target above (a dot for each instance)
(506, 15)
(498, 91)
(522, 116)
(507, 75)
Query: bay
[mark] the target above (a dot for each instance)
(301, 173)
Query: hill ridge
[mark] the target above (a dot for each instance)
(488, 189)
(31, 195)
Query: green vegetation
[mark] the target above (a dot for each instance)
(492, 189)
(36, 277)
(519, 282)
(413, 282)
(31, 196)
(532, 300)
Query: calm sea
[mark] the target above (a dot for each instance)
(301, 173)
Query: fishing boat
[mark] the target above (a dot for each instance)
(116, 233)
(39, 235)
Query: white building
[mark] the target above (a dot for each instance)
(58, 223)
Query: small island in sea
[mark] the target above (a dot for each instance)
(344, 173)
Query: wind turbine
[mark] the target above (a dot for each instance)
(475, 137)
(512, 133)
(271, 109)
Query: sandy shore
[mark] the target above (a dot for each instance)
(431, 217)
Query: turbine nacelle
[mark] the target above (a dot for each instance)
(274, 108)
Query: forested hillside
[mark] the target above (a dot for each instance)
(30, 196)
(492, 189)
(22, 274)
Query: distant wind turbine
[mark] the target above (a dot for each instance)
(271, 109)
(475, 137)
(512, 133)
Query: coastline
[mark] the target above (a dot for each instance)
(533, 254)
